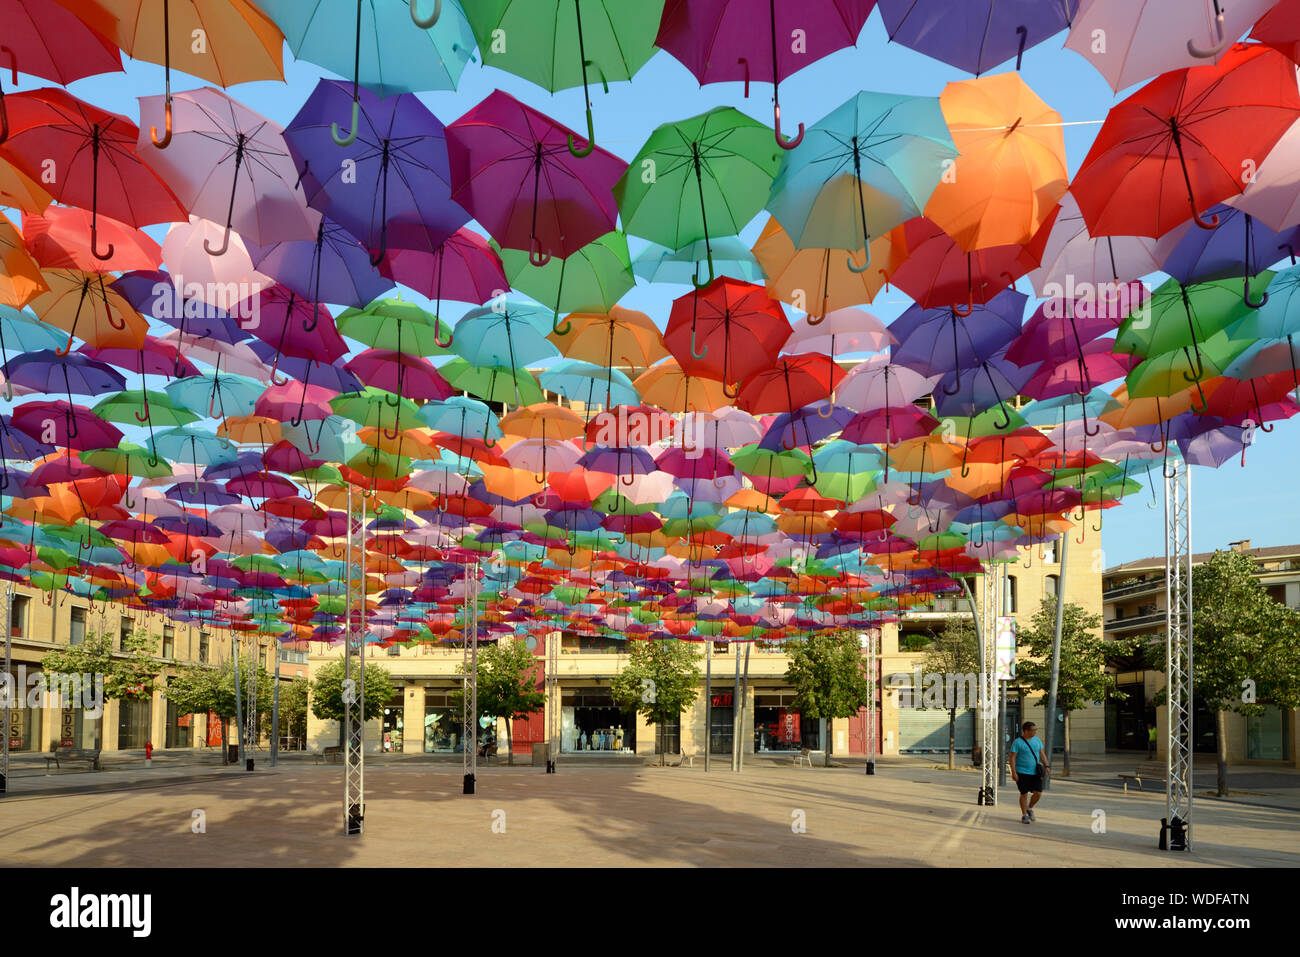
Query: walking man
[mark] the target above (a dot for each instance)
(1027, 769)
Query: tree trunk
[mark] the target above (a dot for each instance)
(1221, 752)
(510, 746)
(952, 739)
(225, 749)
(1065, 758)
(830, 733)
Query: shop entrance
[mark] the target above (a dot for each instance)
(590, 721)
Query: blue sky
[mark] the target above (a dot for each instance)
(1230, 503)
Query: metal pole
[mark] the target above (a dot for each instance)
(354, 723)
(1175, 828)
(275, 709)
(708, 704)
(744, 701)
(1002, 692)
(254, 658)
(469, 700)
(239, 693)
(735, 711)
(871, 708)
(1050, 720)
(10, 687)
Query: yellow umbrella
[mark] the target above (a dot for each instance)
(20, 277)
(1011, 172)
(818, 281)
(82, 304)
(622, 337)
(543, 421)
(666, 386)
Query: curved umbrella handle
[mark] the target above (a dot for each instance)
(591, 139)
(425, 22)
(1245, 295)
(94, 244)
(225, 244)
(865, 266)
(627, 484)
(1023, 33)
(67, 347)
(695, 279)
(536, 257)
(728, 393)
(1211, 223)
(698, 354)
(337, 134)
(830, 408)
(396, 400)
(558, 328)
(963, 311)
(145, 417)
(9, 394)
(378, 257)
(166, 139)
(781, 141)
(451, 335)
(1221, 41)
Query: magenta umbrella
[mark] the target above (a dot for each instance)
(294, 326)
(463, 268)
(762, 40)
(512, 170)
(406, 375)
(1094, 365)
(71, 426)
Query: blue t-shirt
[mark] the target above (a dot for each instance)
(1027, 752)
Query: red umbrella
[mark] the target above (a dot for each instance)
(511, 169)
(43, 39)
(57, 240)
(93, 153)
(938, 272)
(726, 331)
(1183, 141)
(790, 384)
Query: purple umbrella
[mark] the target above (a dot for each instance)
(809, 422)
(45, 369)
(334, 267)
(975, 35)
(296, 327)
(16, 444)
(155, 294)
(938, 341)
(512, 170)
(1239, 246)
(991, 382)
(329, 375)
(395, 187)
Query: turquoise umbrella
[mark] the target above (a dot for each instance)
(215, 394)
(866, 167)
(731, 257)
(589, 384)
(463, 416)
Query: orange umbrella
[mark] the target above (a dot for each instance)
(927, 453)
(20, 191)
(409, 442)
(20, 277)
(1148, 411)
(665, 385)
(510, 483)
(250, 429)
(818, 281)
(1011, 172)
(83, 305)
(543, 421)
(622, 337)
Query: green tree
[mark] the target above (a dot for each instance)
(327, 692)
(128, 674)
(199, 689)
(660, 680)
(1082, 675)
(507, 685)
(829, 677)
(1245, 646)
(294, 696)
(954, 651)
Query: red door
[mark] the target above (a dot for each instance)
(858, 727)
(530, 730)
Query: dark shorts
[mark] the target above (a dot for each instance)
(1029, 782)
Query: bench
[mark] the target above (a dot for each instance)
(684, 759)
(89, 755)
(332, 751)
(802, 757)
(1148, 773)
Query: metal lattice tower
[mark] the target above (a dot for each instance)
(1175, 830)
(10, 687)
(469, 700)
(354, 683)
(873, 636)
(987, 692)
(251, 724)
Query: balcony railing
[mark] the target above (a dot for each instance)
(1137, 621)
(1137, 588)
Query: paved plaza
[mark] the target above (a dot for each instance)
(911, 813)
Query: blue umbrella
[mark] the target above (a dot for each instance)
(975, 35)
(334, 267)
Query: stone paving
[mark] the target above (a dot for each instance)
(909, 813)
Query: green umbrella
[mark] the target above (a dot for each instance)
(492, 383)
(127, 459)
(1168, 373)
(757, 461)
(553, 43)
(376, 408)
(593, 279)
(1180, 316)
(396, 326)
(702, 177)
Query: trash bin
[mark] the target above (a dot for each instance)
(232, 753)
(977, 756)
(541, 754)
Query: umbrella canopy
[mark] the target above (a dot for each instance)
(977, 35)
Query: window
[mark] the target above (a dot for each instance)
(77, 630)
(203, 647)
(394, 650)
(721, 717)
(18, 615)
(1009, 596)
(668, 739)
(133, 720)
(1049, 553)
(1050, 584)
(1266, 736)
(720, 647)
(169, 642)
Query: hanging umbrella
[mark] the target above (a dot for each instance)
(492, 383)
(1073, 258)
(868, 166)
(239, 43)
(94, 152)
(722, 40)
(566, 39)
(656, 263)
(1159, 36)
(623, 336)
(711, 175)
(231, 165)
(1011, 172)
(591, 280)
(334, 267)
(1238, 246)
(57, 239)
(667, 386)
(464, 268)
(1179, 143)
(510, 337)
(976, 35)
(502, 152)
(19, 190)
(819, 281)
(83, 305)
(20, 276)
(726, 331)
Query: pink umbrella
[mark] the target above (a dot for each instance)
(842, 332)
(294, 400)
(1072, 258)
(237, 358)
(1273, 196)
(464, 268)
(879, 384)
(185, 254)
(511, 169)
(411, 376)
(1093, 366)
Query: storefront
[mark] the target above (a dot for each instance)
(393, 720)
(778, 727)
(443, 731)
(133, 723)
(1267, 735)
(722, 715)
(590, 721)
(180, 728)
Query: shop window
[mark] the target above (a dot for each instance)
(18, 615)
(169, 642)
(394, 718)
(591, 721)
(721, 716)
(1050, 584)
(24, 727)
(179, 728)
(133, 721)
(77, 629)
(1266, 736)
(203, 647)
(443, 731)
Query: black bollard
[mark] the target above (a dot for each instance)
(469, 784)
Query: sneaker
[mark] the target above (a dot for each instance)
(1024, 819)
(1031, 815)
